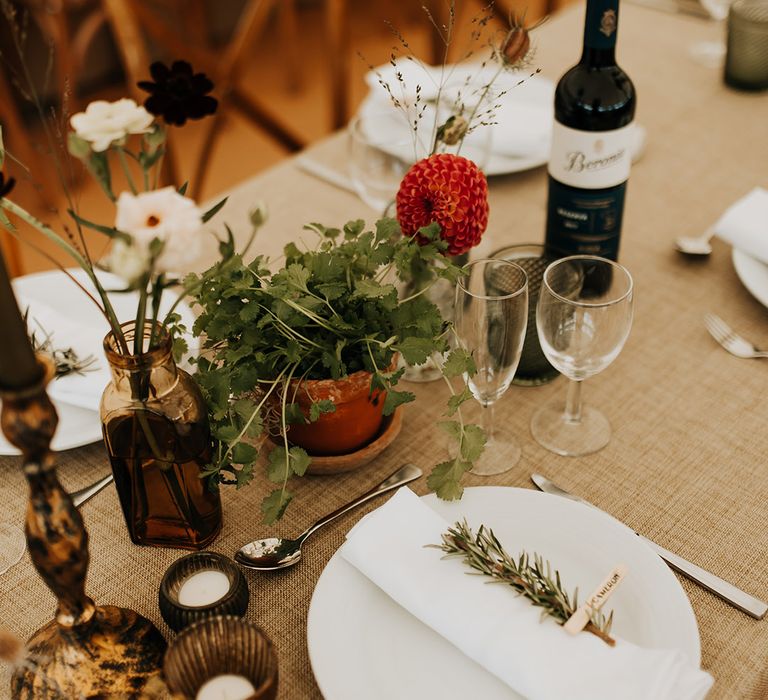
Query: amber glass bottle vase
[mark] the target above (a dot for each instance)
(157, 435)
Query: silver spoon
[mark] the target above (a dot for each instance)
(85, 494)
(695, 245)
(279, 553)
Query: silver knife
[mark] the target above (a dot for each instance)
(727, 591)
(324, 173)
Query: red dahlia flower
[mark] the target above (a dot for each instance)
(450, 190)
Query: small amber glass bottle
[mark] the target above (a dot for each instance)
(157, 435)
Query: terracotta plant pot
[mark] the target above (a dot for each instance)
(355, 421)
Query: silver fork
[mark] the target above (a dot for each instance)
(730, 340)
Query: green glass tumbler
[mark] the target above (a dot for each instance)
(746, 59)
(534, 368)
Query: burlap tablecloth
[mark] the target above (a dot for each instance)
(686, 465)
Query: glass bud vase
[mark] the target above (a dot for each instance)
(156, 432)
(441, 293)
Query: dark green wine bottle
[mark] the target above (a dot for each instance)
(591, 144)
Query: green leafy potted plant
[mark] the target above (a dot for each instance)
(326, 313)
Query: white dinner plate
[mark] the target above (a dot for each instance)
(523, 115)
(81, 426)
(364, 645)
(753, 275)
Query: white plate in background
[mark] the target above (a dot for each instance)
(753, 275)
(80, 426)
(518, 140)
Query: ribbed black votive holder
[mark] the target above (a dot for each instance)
(177, 615)
(221, 646)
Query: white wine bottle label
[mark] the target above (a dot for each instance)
(590, 160)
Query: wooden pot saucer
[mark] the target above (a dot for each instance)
(338, 464)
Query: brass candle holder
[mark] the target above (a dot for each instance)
(87, 651)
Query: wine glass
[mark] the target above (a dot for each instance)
(381, 149)
(583, 317)
(490, 319)
(13, 544)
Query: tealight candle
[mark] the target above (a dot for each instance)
(200, 585)
(204, 588)
(226, 687)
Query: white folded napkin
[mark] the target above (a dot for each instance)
(745, 224)
(78, 389)
(500, 630)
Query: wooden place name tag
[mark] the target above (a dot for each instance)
(578, 621)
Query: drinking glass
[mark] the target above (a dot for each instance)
(583, 317)
(381, 149)
(746, 59)
(490, 319)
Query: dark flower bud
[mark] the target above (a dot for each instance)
(516, 46)
(453, 131)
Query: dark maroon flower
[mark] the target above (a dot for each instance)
(178, 93)
(6, 185)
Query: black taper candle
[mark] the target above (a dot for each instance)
(18, 367)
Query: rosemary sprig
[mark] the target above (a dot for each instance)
(534, 580)
(66, 361)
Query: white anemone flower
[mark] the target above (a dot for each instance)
(103, 123)
(164, 215)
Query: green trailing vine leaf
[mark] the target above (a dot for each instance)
(457, 399)
(445, 479)
(274, 505)
(319, 407)
(458, 362)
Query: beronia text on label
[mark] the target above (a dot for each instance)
(590, 159)
(578, 161)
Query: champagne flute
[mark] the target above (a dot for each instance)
(490, 319)
(583, 317)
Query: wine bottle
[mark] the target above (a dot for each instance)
(591, 155)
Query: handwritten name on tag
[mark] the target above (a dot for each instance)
(578, 621)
